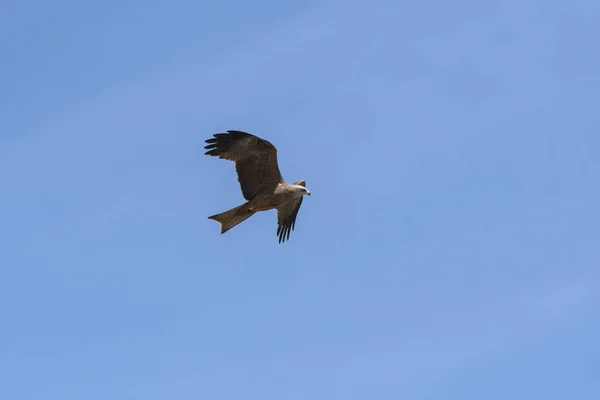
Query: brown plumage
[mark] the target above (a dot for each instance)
(260, 181)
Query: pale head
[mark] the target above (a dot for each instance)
(301, 190)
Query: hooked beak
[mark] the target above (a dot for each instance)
(308, 193)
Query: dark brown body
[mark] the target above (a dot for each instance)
(260, 181)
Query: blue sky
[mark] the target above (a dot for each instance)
(449, 250)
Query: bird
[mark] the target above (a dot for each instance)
(260, 181)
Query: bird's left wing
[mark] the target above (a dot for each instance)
(286, 216)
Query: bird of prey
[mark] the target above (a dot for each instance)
(260, 180)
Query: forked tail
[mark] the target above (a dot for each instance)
(231, 218)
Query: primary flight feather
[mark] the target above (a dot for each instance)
(260, 180)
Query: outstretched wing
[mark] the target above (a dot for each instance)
(286, 216)
(255, 160)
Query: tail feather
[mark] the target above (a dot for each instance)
(231, 218)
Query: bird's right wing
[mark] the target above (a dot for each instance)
(255, 160)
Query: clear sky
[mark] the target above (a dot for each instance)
(450, 249)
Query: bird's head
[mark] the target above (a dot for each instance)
(300, 187)
(302, 190)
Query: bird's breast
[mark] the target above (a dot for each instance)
(268, 202)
